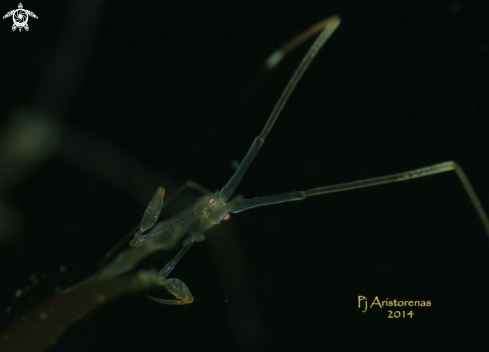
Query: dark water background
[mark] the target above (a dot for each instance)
(399, 86)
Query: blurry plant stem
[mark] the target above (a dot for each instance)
(42, 326)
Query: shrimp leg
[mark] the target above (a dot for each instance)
(151, 214)
(175, 286)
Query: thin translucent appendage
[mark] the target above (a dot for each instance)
(246, 204)
(128, 259)
(177, 288)
(150, 216)
(168, 268)
(328, 25)
(279, 54)
(188, 185)
(153, 210)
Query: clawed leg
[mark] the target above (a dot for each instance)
(150, 217)
(175, 286)
(154, 207)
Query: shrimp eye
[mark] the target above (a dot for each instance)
(210, 200)
(226, 217)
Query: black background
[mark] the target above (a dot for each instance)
(399, 86)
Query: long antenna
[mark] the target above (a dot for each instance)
(328, 26)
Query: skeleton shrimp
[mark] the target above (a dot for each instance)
(189, 226)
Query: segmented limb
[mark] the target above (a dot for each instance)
(175, 286)
(403, 176)
(328, 26)
(151, 214)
